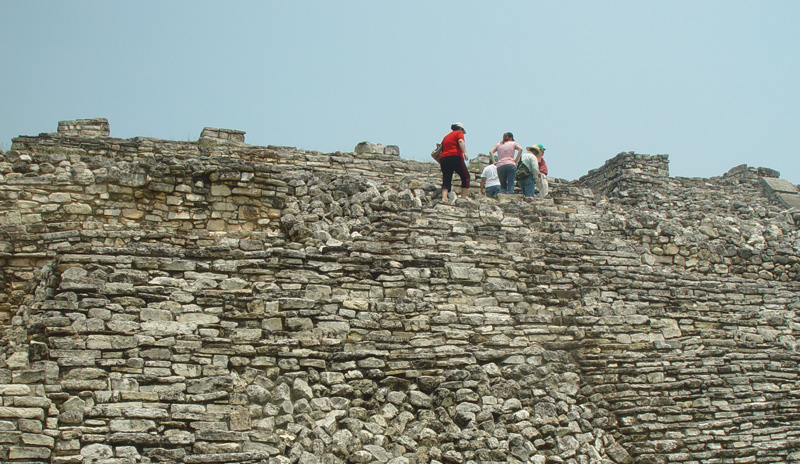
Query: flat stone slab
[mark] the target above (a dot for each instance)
(790, 200)
(779, 185)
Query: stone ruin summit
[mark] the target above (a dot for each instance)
(217, 302)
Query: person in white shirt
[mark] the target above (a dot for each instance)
(490, 181)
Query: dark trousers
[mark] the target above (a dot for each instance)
(450, 165)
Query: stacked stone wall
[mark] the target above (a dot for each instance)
(378, 167)
(628, 170)
(95, 127)
(200, 303)
(730, 225)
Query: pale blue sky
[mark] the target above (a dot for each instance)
(714, 84)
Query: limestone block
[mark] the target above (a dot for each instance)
(201, 319)
(331, 378)
(381, 455)
(145, 413)
(419, 399)
(59, 197)
(151, 314)
(37, 439)
(127, 452)
(207, 384)
(28, 452)
(214, 135)
(162, 187)
(767, 172)
(245, 335)
(141, 439)
(134, 179)
(776, 185)
(368, 148)
(14, 390)
(130, 213)
(168, 328)
(465, 272)
(178, 437)
(240, 420)
(301, 390)
(111, 342)
(790, 200)
(234, 283)
(21, 413)
(10, 217)
(299, 323)
(216, 225)
(220, 190)
(131, 425)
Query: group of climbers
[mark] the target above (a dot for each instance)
(527, 168)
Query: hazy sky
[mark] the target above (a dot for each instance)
(714, 84)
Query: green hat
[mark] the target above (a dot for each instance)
(541, 147)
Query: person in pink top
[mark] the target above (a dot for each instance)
(506, 167)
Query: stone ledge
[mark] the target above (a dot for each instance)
(775, 185)
(222, 135)
(781, 191)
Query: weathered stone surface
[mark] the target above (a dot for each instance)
(211, 134)
(216, 302)
(96, 452)
(94, 127)
(779, 185)
(23, 453)
(789, 200)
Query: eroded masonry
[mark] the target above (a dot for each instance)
(217, 302)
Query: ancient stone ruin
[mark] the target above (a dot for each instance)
(217, 302)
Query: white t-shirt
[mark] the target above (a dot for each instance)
(490, 173)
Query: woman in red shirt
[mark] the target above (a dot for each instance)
(453, 160)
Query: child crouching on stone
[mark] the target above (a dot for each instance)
(490, 181)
